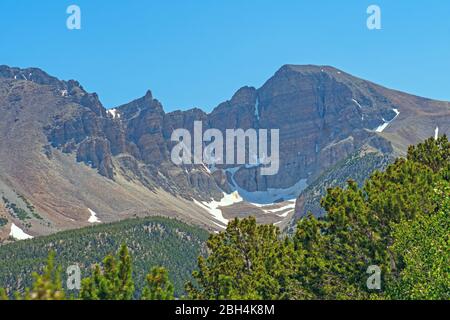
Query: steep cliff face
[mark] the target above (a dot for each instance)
(143, 120)
(66, 153)
(323, 114)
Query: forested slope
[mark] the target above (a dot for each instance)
(151, 241)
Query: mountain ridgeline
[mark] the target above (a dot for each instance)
(64, 156)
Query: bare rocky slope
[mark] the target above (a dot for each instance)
(67, 162)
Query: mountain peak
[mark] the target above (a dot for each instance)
(244, 95)
(323, 116)
(29, 74)
(308, 68)
(148, 95)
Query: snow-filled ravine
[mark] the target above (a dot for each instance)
(262, 199)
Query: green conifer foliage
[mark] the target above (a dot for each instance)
(158, 286)
(247, 261)
(112, 282)
(423, 245)
(46, 286)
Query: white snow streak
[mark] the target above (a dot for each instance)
(382, 127)
(93, 218)
(386, 123)
(357, 103)
(288, 208)
(213, 206)
(360, 107)
(291, 205)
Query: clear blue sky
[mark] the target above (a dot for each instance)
(199, 52)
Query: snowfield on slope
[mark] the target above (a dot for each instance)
(18, 233)
(272, 195)
(93, 218)
(213, 206)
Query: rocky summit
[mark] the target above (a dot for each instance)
(67, 162)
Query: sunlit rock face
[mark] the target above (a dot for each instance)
(67, 153)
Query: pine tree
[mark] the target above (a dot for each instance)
(334, 253)
(423, 245)
(158, 286)
(3, 295)
(112, 282)
(46, 286)
(246, 261)
(433, 153)
(361, 225)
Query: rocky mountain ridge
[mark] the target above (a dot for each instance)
(66, 153)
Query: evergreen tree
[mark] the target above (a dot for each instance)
(158, 286)
(112, 282)
(334, 253)
(358, 229)
(3, 295)
(423, 245)
(46, 286)
(247, 261)
(433, 153)
(399, 221)
(310, 262)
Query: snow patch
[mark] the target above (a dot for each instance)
(382, 127)
(357, 103)
(288, 208)
(93, 218)
(114, 113)
(290, 205)
(18, 233)
(360, 107)
(396, 113)
(284, 215)
(213, 206)
(386, 123)
(270, 196)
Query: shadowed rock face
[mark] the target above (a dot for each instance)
(324, 116)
